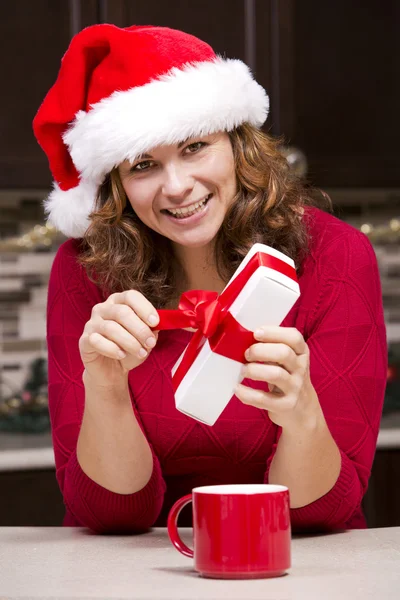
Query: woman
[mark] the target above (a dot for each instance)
(165, 181)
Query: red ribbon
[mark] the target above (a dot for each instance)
(209, 314)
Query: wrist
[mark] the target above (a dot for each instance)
(90, 383)
(307, 427)
(310, 419)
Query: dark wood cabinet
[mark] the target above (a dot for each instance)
(339, 88)
(219, 23)
(32, 498)
(331, 70)
(33, 38)
(382, 501)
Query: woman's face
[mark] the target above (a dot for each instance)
(182, 191)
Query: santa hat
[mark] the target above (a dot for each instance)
(121, 92)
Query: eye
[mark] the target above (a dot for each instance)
(195, 147)
(144, 165)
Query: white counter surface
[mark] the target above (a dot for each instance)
(29, 451)
(71, 563)
(42, 457)
(20, 452)
(25, 451)
(28, 459)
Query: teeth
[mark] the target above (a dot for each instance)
(187, 209)
(179, 212)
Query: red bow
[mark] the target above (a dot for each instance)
(209, 314)
(197, 309)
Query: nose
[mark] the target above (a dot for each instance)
(177, 183)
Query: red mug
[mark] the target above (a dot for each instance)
(239, 531)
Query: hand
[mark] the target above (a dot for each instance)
(281, 359)
(117, 338)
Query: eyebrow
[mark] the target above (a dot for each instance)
(141, 156)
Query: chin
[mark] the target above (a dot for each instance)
(200, 242)
(200, 238)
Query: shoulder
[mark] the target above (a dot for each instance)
(336, 245)
(324, 229)
(65, 262)
(69, 275)
(68, 251)
(340, 282)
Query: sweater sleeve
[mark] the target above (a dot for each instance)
(348, 369)
(71, 297)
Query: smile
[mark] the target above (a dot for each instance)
(188, 211)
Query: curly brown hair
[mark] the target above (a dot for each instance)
(119, 252)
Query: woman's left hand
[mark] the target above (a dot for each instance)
(281, 358)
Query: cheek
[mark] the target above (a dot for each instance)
(139, 196)
(222, 172)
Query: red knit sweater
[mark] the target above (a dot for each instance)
(341, 317)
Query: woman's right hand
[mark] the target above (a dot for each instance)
(117, 338)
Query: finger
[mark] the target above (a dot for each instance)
(287, 335)
(131, 322)
(101, 345)
(142, 307)
(272, 374)
(114, 332)
(264, 400)
(281, 354)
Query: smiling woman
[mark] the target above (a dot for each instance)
(166, 180)
(235, 182)
(168, 190)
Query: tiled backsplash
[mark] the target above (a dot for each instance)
(24, 275)
(23, 290)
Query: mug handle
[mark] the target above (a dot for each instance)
(173, 525)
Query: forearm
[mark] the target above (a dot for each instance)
(307, 461)
(111, 449)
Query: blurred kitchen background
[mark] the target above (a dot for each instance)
(332, 70)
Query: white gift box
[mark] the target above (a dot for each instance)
(265, 299)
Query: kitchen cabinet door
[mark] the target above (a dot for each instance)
(220, 23)
(33, 38)
(337, 84)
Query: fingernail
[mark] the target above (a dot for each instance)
(259, 333)
(151, 342)
(153, 320)
(121, 354)
(142, 353)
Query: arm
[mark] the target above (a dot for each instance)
(348, 368)
(92, 498)
(112, 449)
(312, 444)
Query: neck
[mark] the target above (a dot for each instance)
(199, 267)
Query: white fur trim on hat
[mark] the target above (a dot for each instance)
(69, 211)
(199, 99)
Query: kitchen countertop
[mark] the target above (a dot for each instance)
(72, 563)
(29, 451)
(25, 451)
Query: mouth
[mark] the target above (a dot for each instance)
(184, 214)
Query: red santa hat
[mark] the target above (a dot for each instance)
(121, 92)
